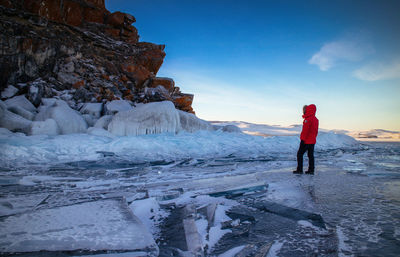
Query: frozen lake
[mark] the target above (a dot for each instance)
(356, 190)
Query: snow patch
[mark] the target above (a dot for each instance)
(275, 248)
(150, 214)
(216, 233)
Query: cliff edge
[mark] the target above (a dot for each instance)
(79, 52)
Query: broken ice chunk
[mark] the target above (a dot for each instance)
(94, 226)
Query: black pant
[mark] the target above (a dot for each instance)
(309, 148)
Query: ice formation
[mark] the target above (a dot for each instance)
(12, 121)
(101, 225)
(99, 132)
(117, 106)
(231, 129)
(49, 101)
(47, 127)
(190, 123)
(103, 122)
(93, 109)
(68, 120)
(20, 101)
(151, 118)
(22, 112)
(19, 150)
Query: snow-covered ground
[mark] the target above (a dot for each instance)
(79, 192)
(19, 150)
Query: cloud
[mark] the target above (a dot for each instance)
(352, 50)
(378, 71)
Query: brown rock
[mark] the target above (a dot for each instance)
(6, 3)
(109, 95)
(78, 84)
(32, 6)
(130, 28)
(98, 3)
(127, 92)
(132, 40)
(93, 15)
(120, 20)
(130, 36)
(167, 83)
(27, 45)
(116, 19)
(137, 73)
(49, 9)
(124, 78)
(129, 32)
(72, 13)
(129, 97)
(152, 56)
(113, 32)
(27, 56)
(129, 18)
(110, 67)
(184, 102)
(177, 91)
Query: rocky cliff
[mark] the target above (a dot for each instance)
(77, 51)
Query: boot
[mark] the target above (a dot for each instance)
(297, 172)
(310, 172)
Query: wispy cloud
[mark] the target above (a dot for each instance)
(331, 53)
(378, 71)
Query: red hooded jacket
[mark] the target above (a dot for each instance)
(310, 125)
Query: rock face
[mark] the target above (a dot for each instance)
(77, 51)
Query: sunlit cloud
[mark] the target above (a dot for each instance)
(378, 71)
(331, 53)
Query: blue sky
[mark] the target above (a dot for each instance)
(261, 61)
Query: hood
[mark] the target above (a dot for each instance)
(310, 110)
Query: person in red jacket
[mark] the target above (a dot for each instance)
(308, 138)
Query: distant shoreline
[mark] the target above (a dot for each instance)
(378, 139)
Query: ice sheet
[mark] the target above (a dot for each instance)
(16, 150)
(99, 225)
